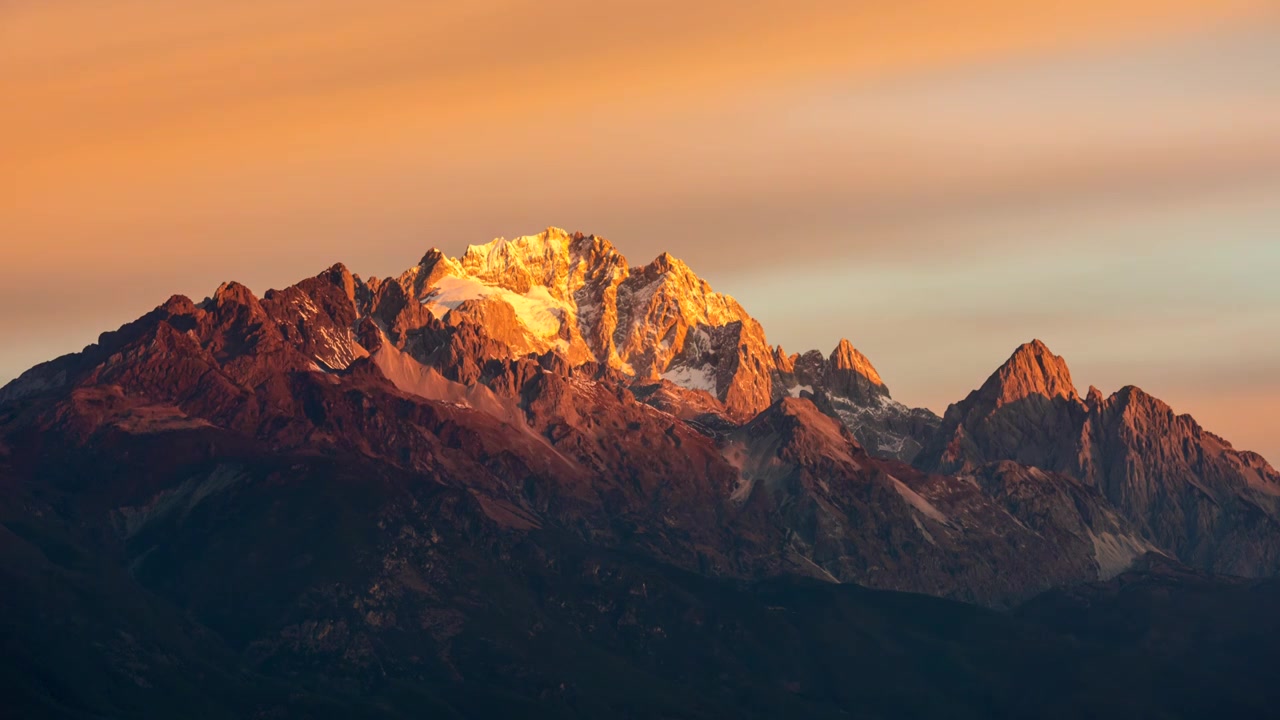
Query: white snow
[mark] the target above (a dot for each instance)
(537, 310)
(917, 501)
(891, 444)
(450, 292)
(342, 351)
(697, 341)
(306, 308)
(703, 378)
(795, 390)
(855, 416)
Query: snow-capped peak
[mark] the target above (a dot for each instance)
(577, 294)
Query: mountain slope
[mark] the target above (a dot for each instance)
(578, 296)
(882, 523)
(294, 584)
(495, 485)
(846, 386)
(416, 602)
(336, 365)
(1186, 490)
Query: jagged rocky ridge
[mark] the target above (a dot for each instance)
(1181, 487)
(657, 325)
(554, 337)
(847, 387)
(539, 400)
(339, 366)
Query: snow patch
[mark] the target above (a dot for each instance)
(795, 390)
(338, 352)
(703, 378)
(924, 507)
(539, 312)
(306, 308)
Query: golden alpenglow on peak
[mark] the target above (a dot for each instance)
(575, 294)
(529, 474)
(847, 357)
(1032, 369)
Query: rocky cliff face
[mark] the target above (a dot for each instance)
(577, 295)
(1027, 411)
(855, 518)
(537, 452)
(339, 365)
(595, 371)
(847, 387)
(1185, 489)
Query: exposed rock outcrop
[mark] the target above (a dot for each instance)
(1186, 490)
(846, 386)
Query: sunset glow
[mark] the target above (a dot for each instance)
(938, 181)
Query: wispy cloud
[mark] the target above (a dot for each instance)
(984, 170)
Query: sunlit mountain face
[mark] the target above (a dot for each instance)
(450, 485)
(791, 436)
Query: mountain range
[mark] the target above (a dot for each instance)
(537, 479)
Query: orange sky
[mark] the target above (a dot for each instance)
(961, 175)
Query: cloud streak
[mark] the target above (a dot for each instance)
(932, 151)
